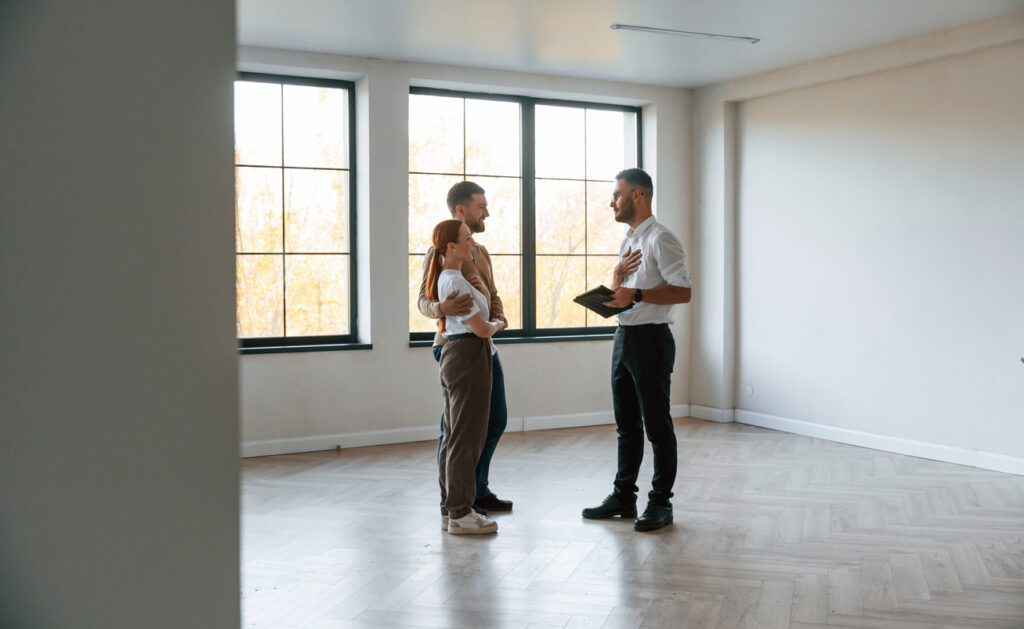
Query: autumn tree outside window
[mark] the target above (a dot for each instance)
(294, 213)
(548, 168)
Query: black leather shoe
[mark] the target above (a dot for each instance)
(492, 503)
(655, 516)
(613, 505)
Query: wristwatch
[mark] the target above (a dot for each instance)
(639, 296)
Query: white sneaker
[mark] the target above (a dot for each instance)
(471, 524)
(444, 520)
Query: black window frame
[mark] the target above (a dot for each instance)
(330, 342)
(529, 333)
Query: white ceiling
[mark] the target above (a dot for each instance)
(572, 38)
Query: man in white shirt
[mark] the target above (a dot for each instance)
(650, 278)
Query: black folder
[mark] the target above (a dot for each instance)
(594, 300)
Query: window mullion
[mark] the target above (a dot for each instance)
(353, 235)
(529, 301)
(284, 228)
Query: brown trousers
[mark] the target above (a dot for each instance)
(466, 375)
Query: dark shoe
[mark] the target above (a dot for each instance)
(613, 505)
(655, 516)
(492, 503)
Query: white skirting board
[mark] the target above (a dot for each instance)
(922, 449)
(680, 410)
(425, 433)
(570, 420)
(331, 442)
(709, 413)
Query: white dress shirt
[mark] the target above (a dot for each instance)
(662, 262)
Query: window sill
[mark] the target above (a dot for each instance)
(289, 349)
(513, 340)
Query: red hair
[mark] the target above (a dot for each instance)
(444, 232)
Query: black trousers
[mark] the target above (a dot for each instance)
(642, 359)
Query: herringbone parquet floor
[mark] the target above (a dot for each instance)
(771, 530)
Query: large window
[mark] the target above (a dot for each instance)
(548, 168)
(294, 202)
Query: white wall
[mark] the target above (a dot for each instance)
(858, 225)
(881, 253)
(119, 416)
(303, 401)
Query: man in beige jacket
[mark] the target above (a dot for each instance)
(467, 202)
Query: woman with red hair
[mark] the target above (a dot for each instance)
(466, 376)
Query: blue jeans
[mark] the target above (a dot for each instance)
(497, 420)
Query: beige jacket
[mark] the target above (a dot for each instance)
(481, 265)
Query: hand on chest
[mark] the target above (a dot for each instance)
(647, 273)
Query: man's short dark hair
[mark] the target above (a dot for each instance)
(637, 177)
(462, 193)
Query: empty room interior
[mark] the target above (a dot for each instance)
(221, 404)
